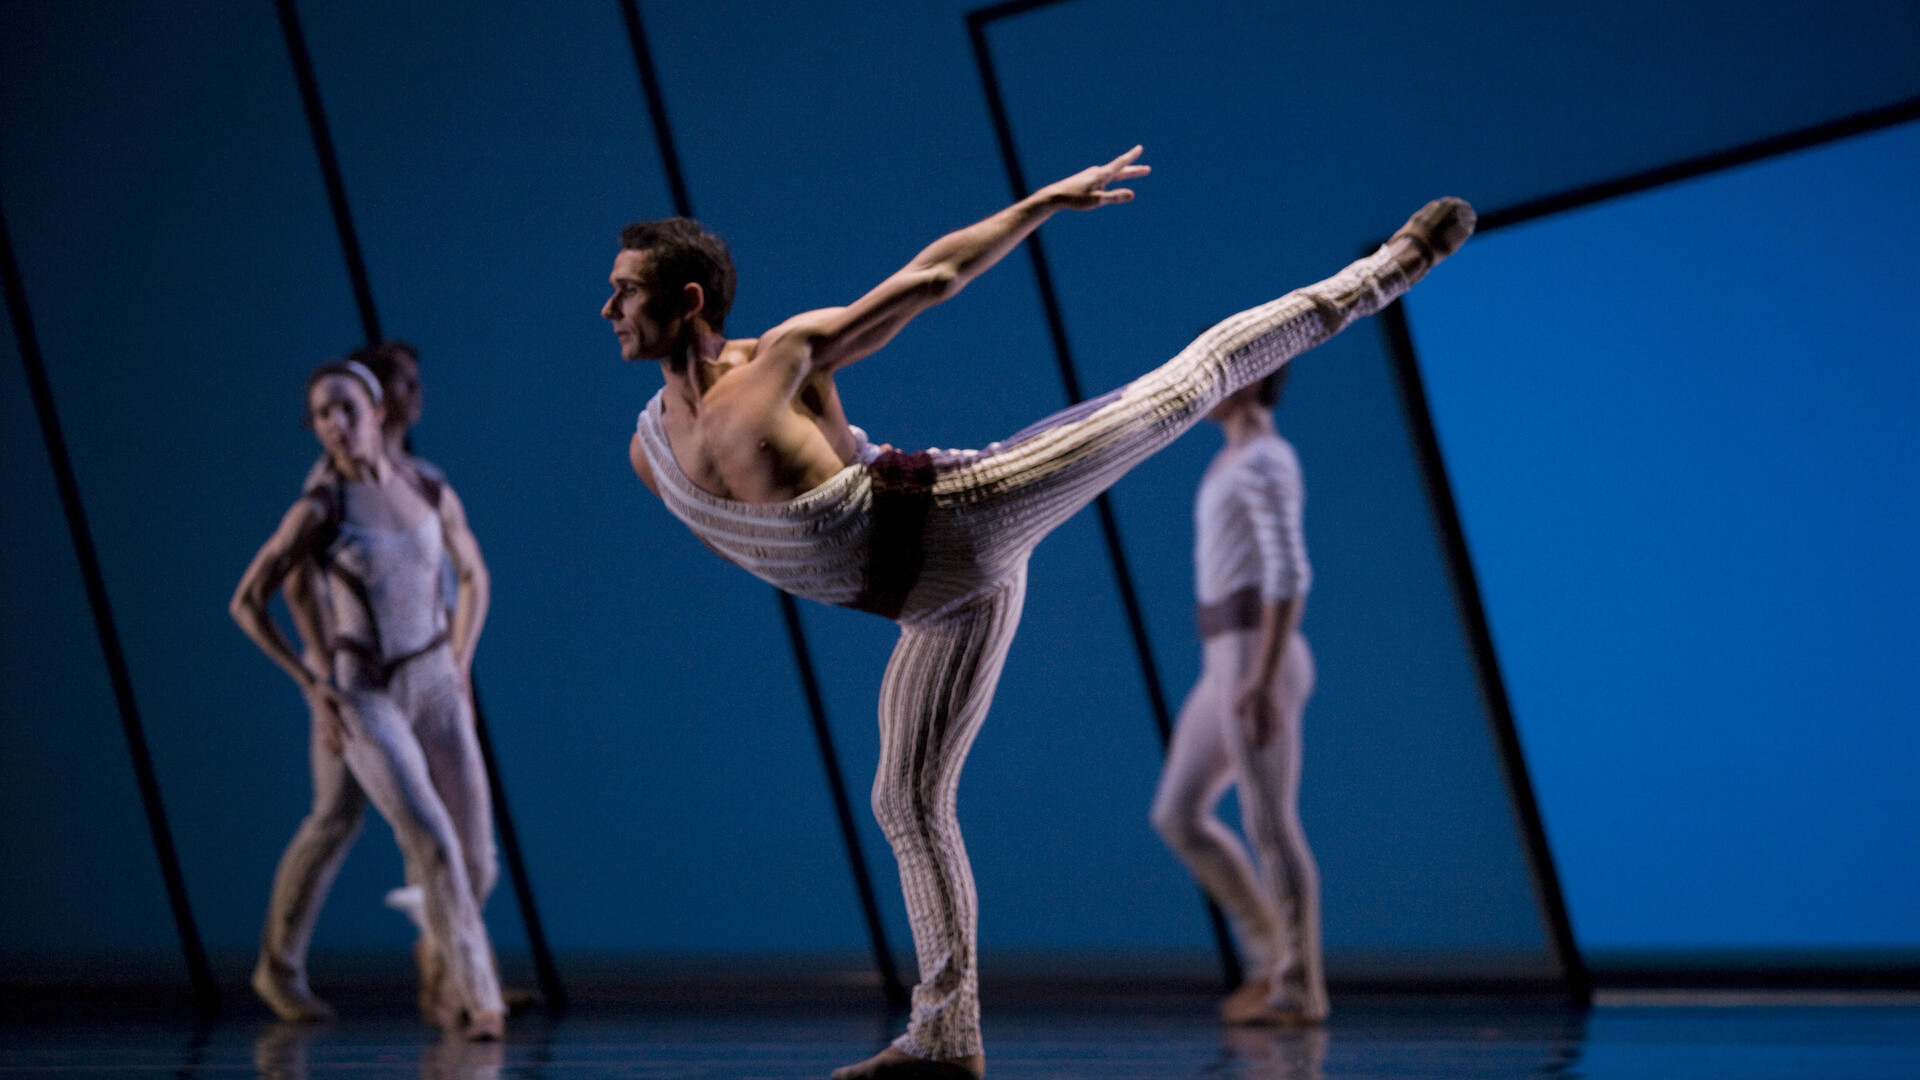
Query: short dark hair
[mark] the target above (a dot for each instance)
(684, 252)
(383, 357)
(1269, 395)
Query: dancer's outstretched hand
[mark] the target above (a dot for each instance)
(1087, 188)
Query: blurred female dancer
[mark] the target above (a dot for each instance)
(1241, 722)
(390, 698)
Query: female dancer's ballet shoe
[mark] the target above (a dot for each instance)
(287, 994)
(1252, 1006)
(486, 1027)
(896, 1064)
(1437, 230)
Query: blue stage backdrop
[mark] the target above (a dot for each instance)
(162, 190)
(1680, 427)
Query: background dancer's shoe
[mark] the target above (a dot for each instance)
(896, 1064)
(287, 994)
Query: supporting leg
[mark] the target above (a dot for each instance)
(1269, 780)
(933, 700)
(1197, 773)
(301, 883)
(386, 756)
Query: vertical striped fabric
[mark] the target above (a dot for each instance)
(991, 507)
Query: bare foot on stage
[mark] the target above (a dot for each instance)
(896, 1064)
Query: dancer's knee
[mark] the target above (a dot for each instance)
(1178, 822)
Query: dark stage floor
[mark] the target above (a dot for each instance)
(1830, 1037)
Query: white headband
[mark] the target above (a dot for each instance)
(365, 375)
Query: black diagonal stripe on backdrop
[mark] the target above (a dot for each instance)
(896, 991)
(545, 970)
(977, 22)
(205, 995)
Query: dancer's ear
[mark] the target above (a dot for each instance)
(693, 300)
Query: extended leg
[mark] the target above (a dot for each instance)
(1052, 470)
(300, 885)
(933, 700)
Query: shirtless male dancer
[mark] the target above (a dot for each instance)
(748, 445)
(389, 696)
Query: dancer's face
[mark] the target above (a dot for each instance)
(405, 399)
(641, 335)
(345, 419)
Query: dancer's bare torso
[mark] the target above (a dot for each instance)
(738, 431)
(757, 420)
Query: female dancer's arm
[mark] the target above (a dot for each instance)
(269, 569)
(476, 586)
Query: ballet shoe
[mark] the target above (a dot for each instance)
(1252, 1005)
(894, 1063)
(438, 1004)
(411, 901)
(287, 994)
(489, 1026)
(1436, 230)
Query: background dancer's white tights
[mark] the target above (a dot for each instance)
(991, 508)
(1275, 912)
(417, 759)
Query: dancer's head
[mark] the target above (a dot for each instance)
(397, 365)
(1261, 395)
(672, 280)
(344, 409)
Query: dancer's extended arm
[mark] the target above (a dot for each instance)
(831, 338)
(270, 567)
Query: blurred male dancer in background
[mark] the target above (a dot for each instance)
(748, 445)
(1241, 723)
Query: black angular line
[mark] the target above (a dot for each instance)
(545, 970)
(205, 994)
(336, 185)
(1486, 664)
(896, 991)
(977, 22)
(1859, 123)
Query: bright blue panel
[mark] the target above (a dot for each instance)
(1681, 430)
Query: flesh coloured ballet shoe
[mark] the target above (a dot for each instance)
(287, 994)
(1437, 230)
(896, 1064)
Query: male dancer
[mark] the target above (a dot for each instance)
(1241, 723)
(313, 857)
(748, 445)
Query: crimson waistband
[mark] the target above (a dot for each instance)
(1239, 610)
(902, 498)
